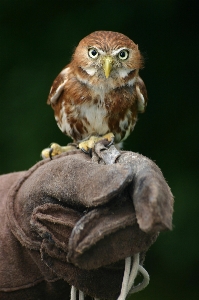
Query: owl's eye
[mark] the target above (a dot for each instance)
(124, 54)
(93, 53)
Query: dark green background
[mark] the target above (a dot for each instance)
(36, 41)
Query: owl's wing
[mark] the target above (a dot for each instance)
(141, 95)
(58, 86)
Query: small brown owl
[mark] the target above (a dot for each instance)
(99, 94)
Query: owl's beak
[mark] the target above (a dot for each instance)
(107, 65)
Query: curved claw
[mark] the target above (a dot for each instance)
(111, 143)
(50, 153)
(108, 143)
(83, 150)
(89, 151)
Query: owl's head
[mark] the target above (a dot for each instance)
(107, 54)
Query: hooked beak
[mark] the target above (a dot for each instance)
(107, 65)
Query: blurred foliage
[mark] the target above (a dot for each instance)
(37, 39)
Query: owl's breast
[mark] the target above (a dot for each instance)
(121, 104)
(94, 116)
(115, 111)
(96, 112)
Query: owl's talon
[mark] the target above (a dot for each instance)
(83, 150)
(90, 152)
(88, 145)
(50, 153)
(110, 138)
(55, 149)
(111, 143)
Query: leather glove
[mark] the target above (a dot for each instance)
(74, 219)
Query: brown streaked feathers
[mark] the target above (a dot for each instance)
(87, 101)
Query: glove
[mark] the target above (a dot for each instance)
(73, 220)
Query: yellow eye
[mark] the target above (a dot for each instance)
(93, 53)
(124, 54)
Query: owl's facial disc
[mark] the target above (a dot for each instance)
(109, 62)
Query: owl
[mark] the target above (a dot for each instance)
(99, 94)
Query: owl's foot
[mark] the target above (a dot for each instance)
(88, 145)
(56, 149)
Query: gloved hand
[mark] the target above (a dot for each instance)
(73, 220)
